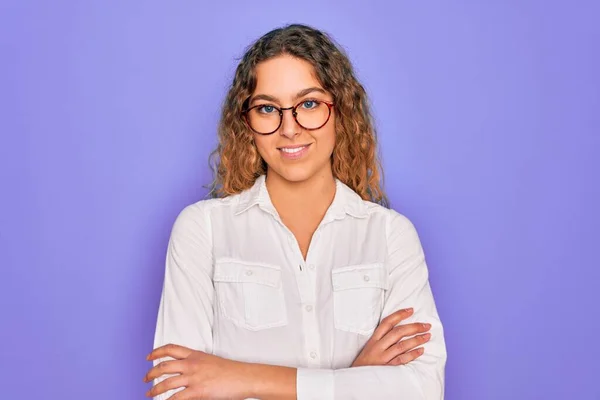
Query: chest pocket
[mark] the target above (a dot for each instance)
(250, 294)
(358, 296)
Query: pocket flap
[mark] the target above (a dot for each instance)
(227, 270)
(360, 276)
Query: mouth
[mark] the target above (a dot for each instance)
(294, 152)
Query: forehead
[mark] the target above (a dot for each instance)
(284, 76)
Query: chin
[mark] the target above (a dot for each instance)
(294, 174)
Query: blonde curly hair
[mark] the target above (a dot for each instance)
(236, 162)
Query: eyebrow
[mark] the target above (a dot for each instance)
(274, 99)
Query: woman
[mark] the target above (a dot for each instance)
(296, 280)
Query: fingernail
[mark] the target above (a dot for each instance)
(426, 326)
(409, 310)
(427, 336)
(421, 350)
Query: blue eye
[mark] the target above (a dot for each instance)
(266, 109)
(310, 104)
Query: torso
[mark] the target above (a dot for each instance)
(266, 308)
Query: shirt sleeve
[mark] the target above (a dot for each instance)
(421, 379)
(185, 315)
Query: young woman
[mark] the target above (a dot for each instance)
(296, 280)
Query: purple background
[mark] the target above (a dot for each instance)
(489, 118)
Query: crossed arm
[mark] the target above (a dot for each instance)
(189, 371)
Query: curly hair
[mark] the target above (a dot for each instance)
(236, 162)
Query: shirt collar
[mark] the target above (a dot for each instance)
(345, 201)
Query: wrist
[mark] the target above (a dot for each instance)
(247, 376)
(246, 379)
(269, 381)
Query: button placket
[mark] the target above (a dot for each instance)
(311, 330)
(305, 275)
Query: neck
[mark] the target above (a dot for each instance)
(305, 197)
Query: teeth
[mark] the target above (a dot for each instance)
(292, 151)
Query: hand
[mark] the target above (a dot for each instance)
(203, 375)
(385, 348)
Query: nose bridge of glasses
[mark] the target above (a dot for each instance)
(293, 108)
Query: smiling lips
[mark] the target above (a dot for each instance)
(294, 152)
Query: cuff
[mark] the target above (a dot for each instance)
(314, 384)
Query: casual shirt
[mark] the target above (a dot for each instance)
(237, 285)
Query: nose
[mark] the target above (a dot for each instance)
(289, 126)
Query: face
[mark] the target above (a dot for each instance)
(284, 82)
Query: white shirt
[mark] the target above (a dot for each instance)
(236, 285)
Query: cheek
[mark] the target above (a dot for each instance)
(263, 144)
(329, 138)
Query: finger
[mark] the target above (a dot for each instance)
(389, 322)
(165, 367)
(405, 358)
(171, 350)
(168, 384)
(402, 331)
(405, 346)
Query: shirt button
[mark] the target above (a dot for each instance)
(248, 272)
(309, 308)
(311, 266)
(313, 354)
(366, 278)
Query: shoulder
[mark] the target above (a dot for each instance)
(395, 222)
(397, 225)
(197, 216)
(402, 240)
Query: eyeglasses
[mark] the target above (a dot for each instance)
(266, 119)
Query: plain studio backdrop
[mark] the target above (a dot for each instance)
(488, 114)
